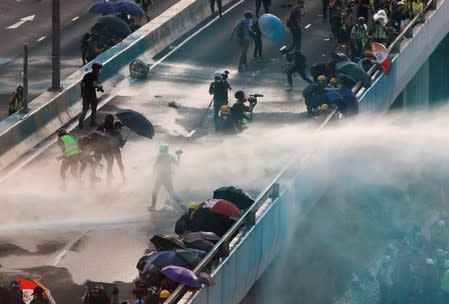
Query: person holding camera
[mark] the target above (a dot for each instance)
(163, 168)
(240, 109)
(219, 89)
(296, 64)
(89, 86)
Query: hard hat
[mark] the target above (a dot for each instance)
(429, 261)
(386, 259)
(164, 294)
(322, 78)
(400, 3)
(324, 107)
(163, 148)
(239, 95)
(334, 81)
(225, 110)
(192, 205)
(217, 74)
(62, 132)
(118, 124)
(248, 14)
(362, 19)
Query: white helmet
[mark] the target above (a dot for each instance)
(217, 74)
(163, 148)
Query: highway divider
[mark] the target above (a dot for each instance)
(50, 111)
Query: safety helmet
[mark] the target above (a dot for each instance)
(248, 14)
(239, 95)
(322, 78)
(164, 294)
(217, 74)
(19, 88)
(192, 205)
(163, 148)
(324, 107)
(118, 124)
(225, 110)
(386, 259)
(429, 261)
(361, 19)
(62, 132)
(333, 81)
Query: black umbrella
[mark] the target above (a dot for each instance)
(199, 243)
(183, 223)
(210, 236)
(151, 275)
(115, 26)
(167, 242)
(191, 256)
(205, 220)
(136, 122)
(235, 195)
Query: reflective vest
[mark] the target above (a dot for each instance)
(70, 145)
(417, 7)
(361, 34)
(16, 103)
(379, 32)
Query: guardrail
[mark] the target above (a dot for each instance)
(272, 190)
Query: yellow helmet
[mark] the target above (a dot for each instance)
(333, 81)
(322, 78)
(225, 110)
(192, 205)
(164, 294)
(324, 107)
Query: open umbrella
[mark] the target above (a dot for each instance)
(191, 256)
(235, 195)
(164, 258)
(210, 236)
(115, 26)
(27, 286)
(181, 275)
(354, 71)
(221, 206)
(167, 242)
(272, 27)
(151, 275)
(205, 220)
(130, 8)
(103, 7)
(136, 122)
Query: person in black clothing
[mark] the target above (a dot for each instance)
(89, 84)
(266, 6)
(325, 8)
(294, 24)
(39, 297)
(364, 9)
(212, 7)
(297, 65)
(96, 296)
(14, 294)
(257, 41)
(219, 88)
(84, 45)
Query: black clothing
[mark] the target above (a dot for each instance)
(314, 96)
(219, 88)
(212, 7)
(364, 9)
(84, 45)
(40, 301)
(266, 5)
(257, 40)
(325, 8)
(89, 96)
(299, 67)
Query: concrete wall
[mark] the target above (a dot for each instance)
(414, 55)
(52, 110)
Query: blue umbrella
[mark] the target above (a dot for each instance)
(103, 7)
(130, 8)
(136, 122)
(181, 275)
(271, 27)
(165, 258)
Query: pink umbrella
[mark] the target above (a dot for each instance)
(221, 206)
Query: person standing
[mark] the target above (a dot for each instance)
(257, 41)
(266, 6)
(299, 64)
(244, 33)
(324, 9)
(84, 45)
(16, 100)
(89, 86)
(294, 24)
(359, 38)
(163, 168)
(219, 89)
(212, 7)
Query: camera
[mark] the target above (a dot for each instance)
(225, 75)
(100, 89)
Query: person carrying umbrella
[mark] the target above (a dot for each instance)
(89, 86)
(163, 169)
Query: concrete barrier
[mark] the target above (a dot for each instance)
(52, 110)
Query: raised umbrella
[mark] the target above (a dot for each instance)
(130, 8)
(191, 256)
(221, 206)
(235, 195)
(167, 242)
(103, 7)
(199, 240)
(27, 286)
(181, 275)
(136, 122)
(115, 26)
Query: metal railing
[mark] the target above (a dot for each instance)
(221, 248)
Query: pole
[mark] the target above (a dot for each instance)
(205, 112)
(25, 77)
(56, 47)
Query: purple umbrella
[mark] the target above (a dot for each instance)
(181, 275)
(130, 8)
(103, 7)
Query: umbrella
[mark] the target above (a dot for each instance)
(221, 206)
(191, 256)
(136, 122)
(27, 286)
(271, 27)
(205, 220)
(151, 275)
(115, 26)
(210, 236)
(181, 275)
(108, 287)
(235, 195)
(167, 242)
(164, 258)
(103, 7)
(130, 8)
(194, 240)
(354, 71)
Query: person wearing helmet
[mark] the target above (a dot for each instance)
(297, 64)
(163, 296)
(225, 123)
(163, 168)
(239, 111)
(96, 295)
(359, 38)
(89, 86)
(244, 33)
(16, 100)
(333, 82)
(219, 89)
(71, 155)
(315, 95)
